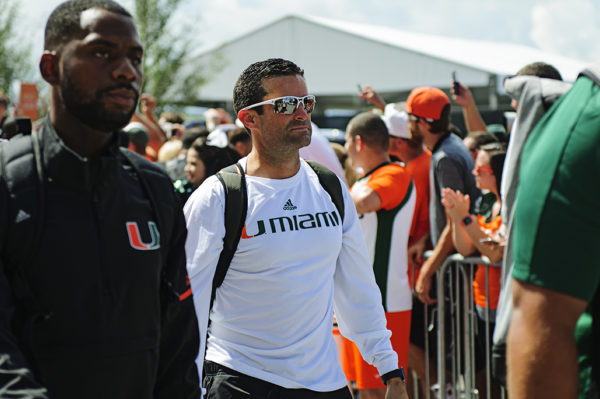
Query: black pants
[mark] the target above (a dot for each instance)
(224, 383)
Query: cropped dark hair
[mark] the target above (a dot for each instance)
(172, 117)
(540, 69)
(238, 134)
(497, 154)
(191, 135)
(64, 22)
(371, 129)
(443, 124)
(481, 138)
(249, 88)
(214, 158)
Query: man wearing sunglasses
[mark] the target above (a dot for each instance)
(270, 324)
(451, 165)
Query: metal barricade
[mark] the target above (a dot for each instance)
(460, 291)
(456, 308)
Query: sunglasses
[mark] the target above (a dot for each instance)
(288, 105)
(416, 118)
(480, 169)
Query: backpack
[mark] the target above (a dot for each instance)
(233, 180)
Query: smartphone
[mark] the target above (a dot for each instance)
(455, 84)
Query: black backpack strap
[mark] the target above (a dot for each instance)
(24, 180)
(21, 169)
(233, 180)
(136, 163)
(331, 184)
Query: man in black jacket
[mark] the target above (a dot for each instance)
(93, 300)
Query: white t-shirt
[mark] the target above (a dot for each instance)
(272, 316)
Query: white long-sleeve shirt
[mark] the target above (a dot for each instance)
(272, 316)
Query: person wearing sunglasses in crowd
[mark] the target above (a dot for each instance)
(481, 233)
(451, 166)
(270, 323)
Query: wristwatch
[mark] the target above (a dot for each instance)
(392, 374)
(467, 220)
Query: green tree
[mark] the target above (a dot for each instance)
(171, 75)
(14, 56)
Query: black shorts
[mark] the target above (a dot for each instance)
(224, 383)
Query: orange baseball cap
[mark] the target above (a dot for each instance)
(427, 102)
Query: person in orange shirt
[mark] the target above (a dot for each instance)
(411, 151)
(472, 234)
(385, 198)
(417, 159)
(475, 233)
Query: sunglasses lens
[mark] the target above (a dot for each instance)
(286, 105)
(309, 104)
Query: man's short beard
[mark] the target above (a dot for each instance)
(93, 112)
(415, 133)
(301, 142)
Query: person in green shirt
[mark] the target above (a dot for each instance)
(552, 343)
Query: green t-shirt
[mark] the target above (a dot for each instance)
(557, 221)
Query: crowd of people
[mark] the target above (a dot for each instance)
(136, 262)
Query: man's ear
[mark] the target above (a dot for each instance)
(249, 119)
(358, 143)
(49, 67)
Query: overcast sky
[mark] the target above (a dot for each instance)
(570, 28)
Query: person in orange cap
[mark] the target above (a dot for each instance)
(451, 165)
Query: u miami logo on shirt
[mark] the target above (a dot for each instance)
(284, 224)
(135, 238)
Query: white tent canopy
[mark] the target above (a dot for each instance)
(338, 55)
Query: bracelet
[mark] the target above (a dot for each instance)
(392, 374)
(467, 220)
